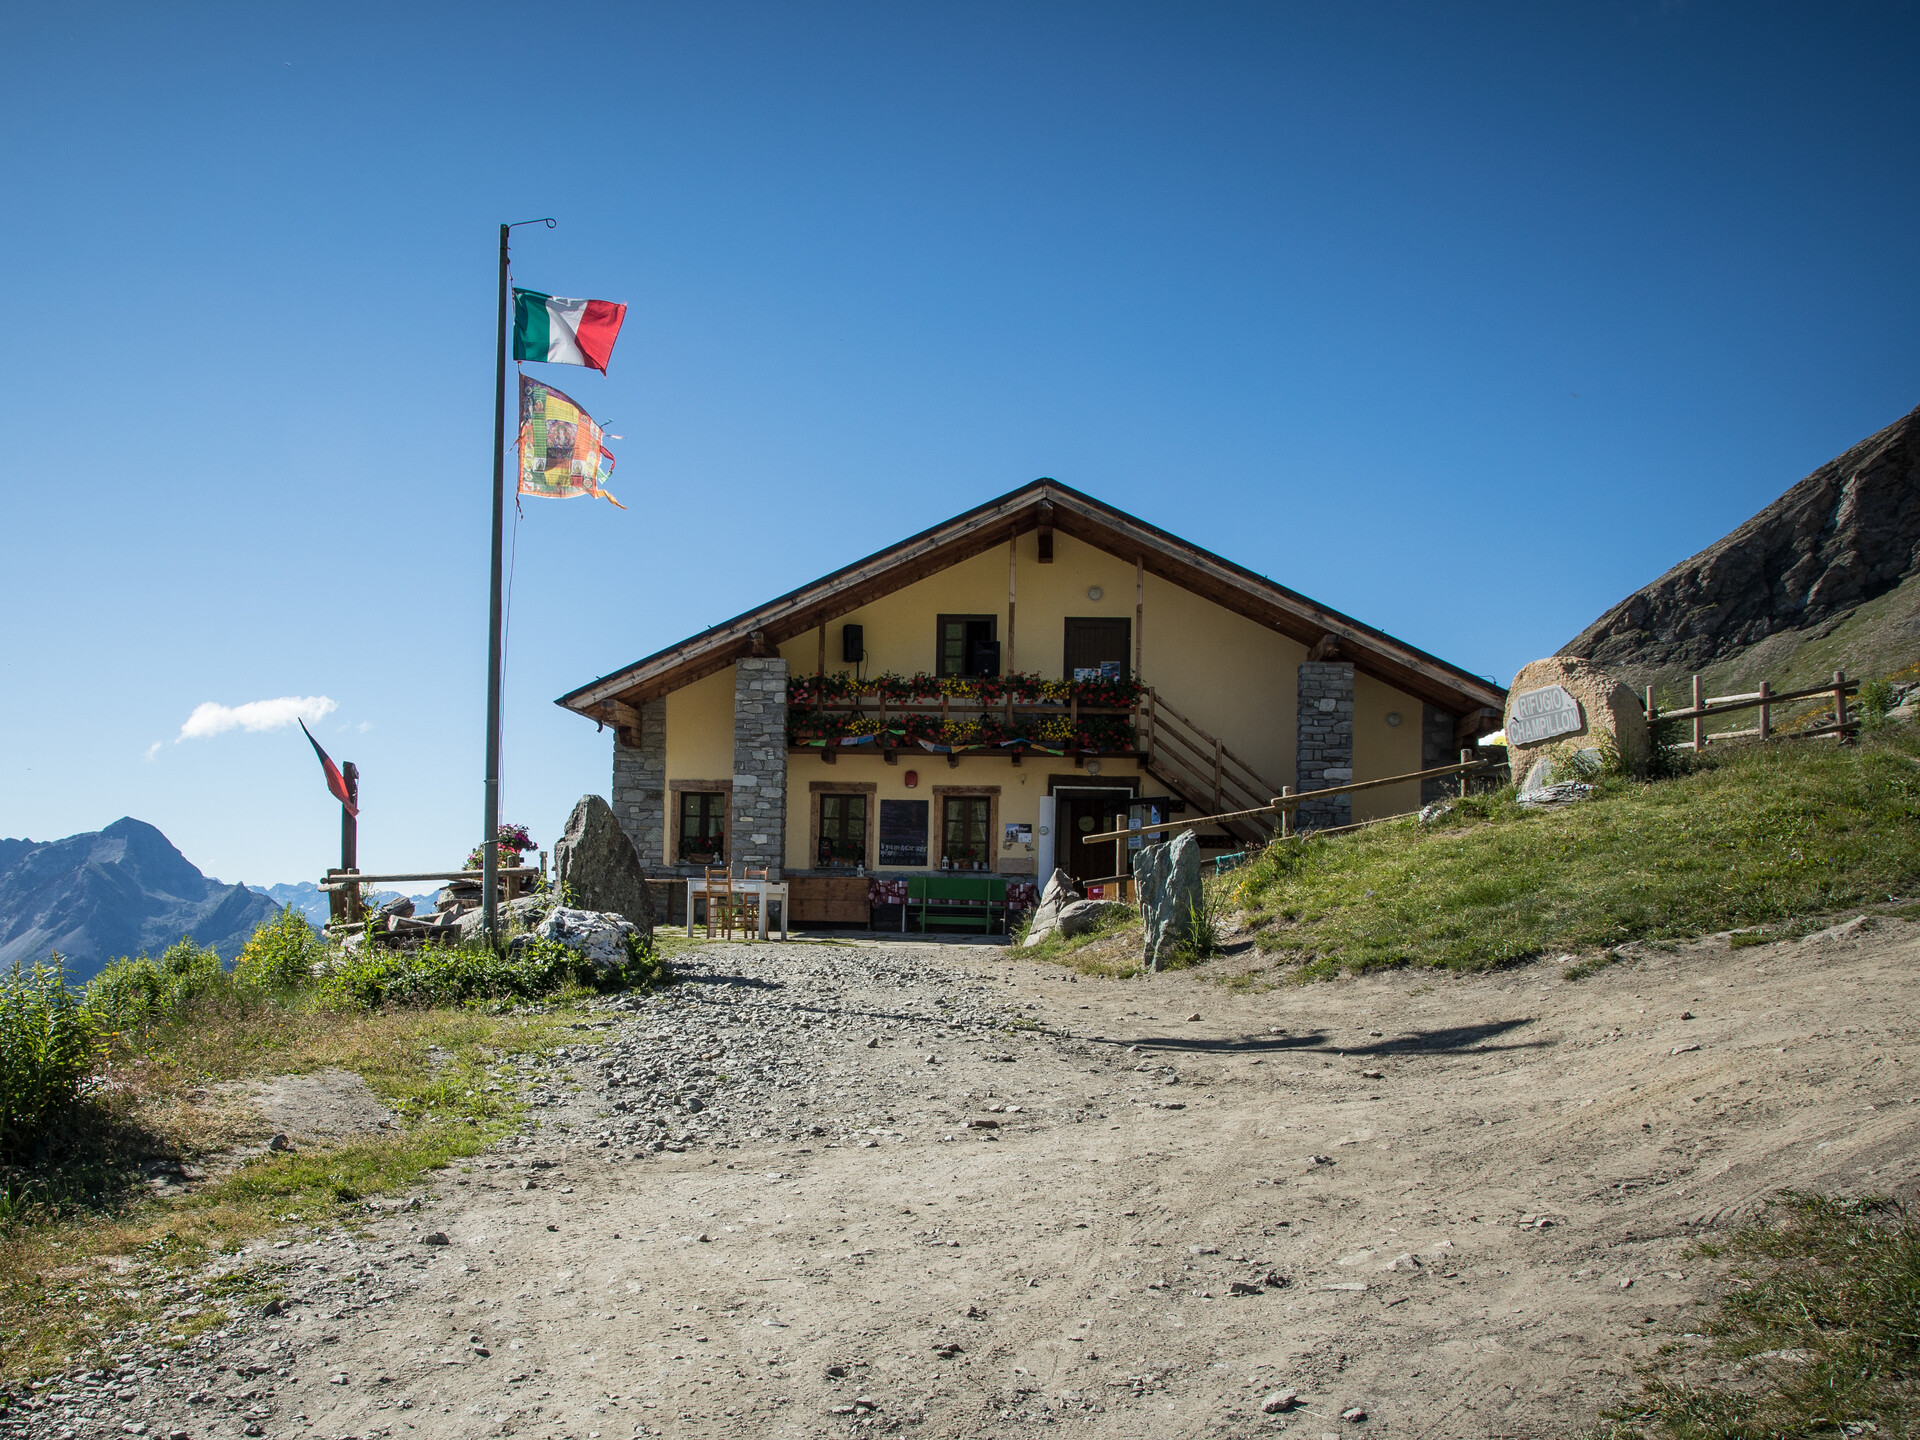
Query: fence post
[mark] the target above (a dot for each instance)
(1699, 720)
(1286, 813)
(1766, 711)
(1652, 714)
(1217, 803)
(1840, 701)
(1466, 758)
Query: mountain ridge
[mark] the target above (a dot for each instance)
(1828, 575)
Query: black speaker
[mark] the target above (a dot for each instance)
(853, 644)
(986, 658)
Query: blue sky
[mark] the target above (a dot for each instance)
(1466, 319)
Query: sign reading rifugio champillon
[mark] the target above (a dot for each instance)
(1542, 714)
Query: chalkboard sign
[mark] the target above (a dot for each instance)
(903, 833)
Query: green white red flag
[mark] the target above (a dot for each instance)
(560, 331)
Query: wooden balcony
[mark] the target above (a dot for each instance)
(956, 725)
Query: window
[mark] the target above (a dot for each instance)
(967, 645)
(965, 831)
(843, 832)
(703, 825)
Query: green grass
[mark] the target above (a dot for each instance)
(1818, 1335)
(1753, 835)
(1112, 950)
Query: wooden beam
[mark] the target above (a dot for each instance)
(1046, 532)
(1139, 611)
(626, 723)
(1327, 647)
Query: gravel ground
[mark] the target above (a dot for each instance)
(875, 1189)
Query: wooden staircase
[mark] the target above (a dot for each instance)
(1198, 768)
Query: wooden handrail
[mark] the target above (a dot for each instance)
(343, 879)
(1288, 803)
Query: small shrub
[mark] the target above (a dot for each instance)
(282, 954)
(49, 1043)
(130, 993)
(1876, 699)
(456, 974)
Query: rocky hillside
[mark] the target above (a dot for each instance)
(113, 892)
(1827, 577)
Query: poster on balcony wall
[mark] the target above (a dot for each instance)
(903, 833)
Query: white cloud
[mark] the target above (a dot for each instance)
(153, 749)
(212, 719)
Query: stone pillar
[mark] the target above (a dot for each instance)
(640, 786)
(1437, 749)
(759, 764)
(1324, 751)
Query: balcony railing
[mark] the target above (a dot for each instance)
(1017, 713)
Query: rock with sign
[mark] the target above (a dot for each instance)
(1562, 706)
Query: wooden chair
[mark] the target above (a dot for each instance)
(720, 898)
(748, 902)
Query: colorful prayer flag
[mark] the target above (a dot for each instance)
(336, 782)
(561, 451)
(565, 332)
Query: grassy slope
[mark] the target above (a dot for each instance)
(1755, 835)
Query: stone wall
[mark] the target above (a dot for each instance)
(759, 764)
(640, 786)
(1325, 742)
(1437, 749)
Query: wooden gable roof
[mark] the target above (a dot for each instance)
(1042, 504)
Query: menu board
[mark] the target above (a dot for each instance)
(903, 833)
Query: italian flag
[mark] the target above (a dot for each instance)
(565, 332)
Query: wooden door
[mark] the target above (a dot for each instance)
(1091, 812)
(1096, 641)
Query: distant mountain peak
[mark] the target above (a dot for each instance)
(121, 890)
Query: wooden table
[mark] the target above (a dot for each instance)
(767, 890)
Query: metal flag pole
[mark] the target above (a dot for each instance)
(489, 848)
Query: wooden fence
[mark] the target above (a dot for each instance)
(1705, 707)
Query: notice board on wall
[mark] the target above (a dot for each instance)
(903, 833)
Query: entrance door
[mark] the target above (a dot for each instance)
(1079, 813)
(1097, 643)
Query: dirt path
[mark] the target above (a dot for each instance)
(1464, 1206)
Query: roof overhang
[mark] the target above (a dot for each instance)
(1043, 503)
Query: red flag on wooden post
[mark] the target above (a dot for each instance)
(336, 782)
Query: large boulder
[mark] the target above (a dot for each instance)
(1167, 876)
(1056, 897)
(597, 863)
(1563, 705)
(598, 938)
(514, 915)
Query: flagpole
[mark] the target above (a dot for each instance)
(489, 850)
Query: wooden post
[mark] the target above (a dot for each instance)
(1286, 812)
(350, 836)
(1699, 720)
(1840, 701)
(1218, 804)
(1466, 758)
(1013, 550)
(1139, 609)
(820, 665)
(1652, 713)
(1766, 711)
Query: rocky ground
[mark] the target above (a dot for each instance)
(893, 1189)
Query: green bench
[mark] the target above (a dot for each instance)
(973, 902)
